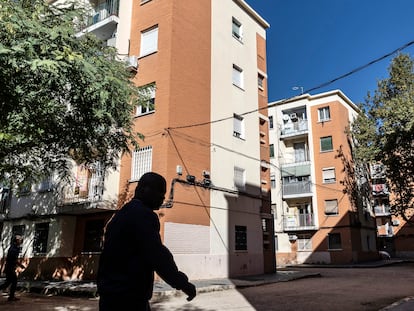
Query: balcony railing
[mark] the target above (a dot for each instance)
(298, 222)
(296, 188)
(382, 210)
(380, 189)
(103, 11)
(294, 128)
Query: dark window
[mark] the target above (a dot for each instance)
(326, 143)
(241, 238)
(334, 241)
(93, 235)
(270, 122)
(272, 150)
(40, 239)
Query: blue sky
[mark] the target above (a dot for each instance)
(311, 42)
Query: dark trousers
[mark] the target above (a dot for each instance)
(124, 302)
(11, 279)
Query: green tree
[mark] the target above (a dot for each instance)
(62, 98)
(384, 132)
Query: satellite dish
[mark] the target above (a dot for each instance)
(285, 117)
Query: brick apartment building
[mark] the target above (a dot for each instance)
(315, 220)
(206, 132)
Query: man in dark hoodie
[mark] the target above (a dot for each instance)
(133, 251)
(12, 262)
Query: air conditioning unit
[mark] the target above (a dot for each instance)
(293, 116)
(132, 62)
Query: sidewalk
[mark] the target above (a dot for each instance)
(163, 290)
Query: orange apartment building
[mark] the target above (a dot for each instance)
(206, 132)
(206, 61)
(316, 220)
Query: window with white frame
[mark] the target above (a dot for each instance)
(238, 126)
(149, 105)
(328, 175)
(141, 162)
(273, 181)
(326, 143)
(304, 243)
(237, 29)
(149, 41)
(331, 207)
(324, 114)
(237, 76)
(239, 178)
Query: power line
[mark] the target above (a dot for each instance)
(205, 144)
(399, 49)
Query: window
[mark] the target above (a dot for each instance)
(328, 175)
(272, 150)
(331, 207)
(273, 181)
(324, 114)
(241, 238)
(304, 243)
(260, 81)
(141, 162)
(149, 41)
(149, 105)
(40, 238)
(326, 143)
(94, 230)
(334, 241)
(239, 178)
(237, 76)
(237, 29)
(238, 126)
(271, 122)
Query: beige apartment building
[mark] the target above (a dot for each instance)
(206, 132)
(316, 218)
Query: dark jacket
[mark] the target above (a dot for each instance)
(12, 258)
(132, 251)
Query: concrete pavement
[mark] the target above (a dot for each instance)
(162, 290)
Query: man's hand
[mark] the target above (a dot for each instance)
(190, 291)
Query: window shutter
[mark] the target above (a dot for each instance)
(149, 41)
(331, 207)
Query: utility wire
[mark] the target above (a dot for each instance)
(205, 144)
(399, 49)
(198, 194)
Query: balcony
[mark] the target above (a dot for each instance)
(380, 189)
(294, 129)
(382, 210)
(103, 21)
(299, 222)
(297, 189)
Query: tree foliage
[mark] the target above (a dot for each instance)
(62, 98)
(384, 132)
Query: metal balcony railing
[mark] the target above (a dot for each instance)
(300, 187)
(382, 210)
(298, 222)
(295, 128)
(103, 11)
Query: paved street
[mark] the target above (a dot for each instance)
(350, 289)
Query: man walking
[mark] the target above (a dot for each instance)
(10, 267)
(133, 251)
